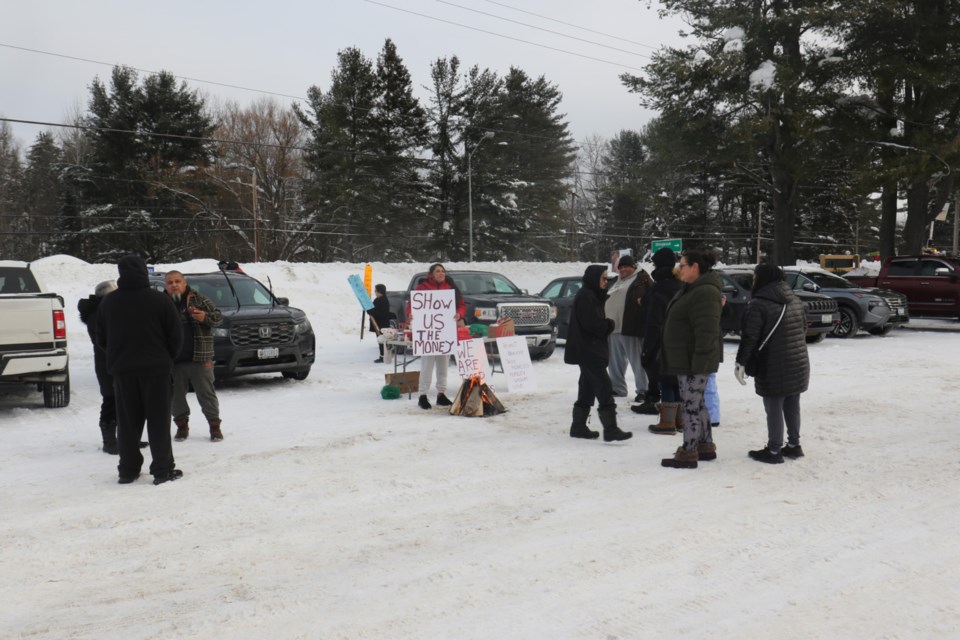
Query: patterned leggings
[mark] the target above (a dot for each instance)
(696, 426)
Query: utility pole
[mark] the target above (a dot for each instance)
(759, 229)
(256, 222)
(573, 225)
(956, 221)
(486, 135)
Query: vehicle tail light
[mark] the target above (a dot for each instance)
(59, 325)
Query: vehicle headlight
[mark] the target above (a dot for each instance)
(220, 332)
(553, 312)
(485, 313)
(302, 327)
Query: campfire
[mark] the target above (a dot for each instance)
(476, 400)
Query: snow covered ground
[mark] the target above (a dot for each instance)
(328, 512)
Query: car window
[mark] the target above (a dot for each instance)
(792, 280)
(573, 286)
(929, 267)
(13, 280)
(744, 279)
(249, 291)
(553, 289)
(830, 280)
(902, 268)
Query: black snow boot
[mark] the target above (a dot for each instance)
(648, 406)
(579, 428)
(109, 432)
(611, 432)
(424, 403)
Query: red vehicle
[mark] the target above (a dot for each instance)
(930, 282)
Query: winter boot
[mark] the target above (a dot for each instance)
(706, 451)
(443, 400)
(183, 428)
(109, 432)
(668, 419)
(682, 459)
(579, 428)
(648, 406)
(424, 403)
(765, 455)
(215, 434)
(611, 432)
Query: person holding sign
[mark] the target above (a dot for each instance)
(380, 314)
(587, 347)
(437, 281)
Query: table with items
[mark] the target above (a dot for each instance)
(403, 356)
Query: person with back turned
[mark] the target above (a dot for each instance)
(138, 329)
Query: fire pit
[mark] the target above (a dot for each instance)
(475, 399)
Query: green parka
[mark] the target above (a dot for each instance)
(691, 331)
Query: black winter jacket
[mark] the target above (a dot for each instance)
(137, 327)
(589, 326)
(634, 322)
(783, 368)
(654, 309)
(88, 308)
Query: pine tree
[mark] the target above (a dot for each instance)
(41, 194)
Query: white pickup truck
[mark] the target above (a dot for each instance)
(33, 335)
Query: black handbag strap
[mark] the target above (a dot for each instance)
(767, 339)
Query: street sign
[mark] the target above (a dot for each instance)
(674, 244)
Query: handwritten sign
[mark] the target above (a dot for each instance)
(433, 328)
(472, 359)
(516, 363)
(361, 292)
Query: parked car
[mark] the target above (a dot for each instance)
(822, 311)
(260, 333)
(560, 292)
(490, 296)
(930, 283)
(869, 308)
(33, 335)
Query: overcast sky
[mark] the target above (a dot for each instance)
(284, 48)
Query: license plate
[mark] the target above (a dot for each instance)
(827, 318)
(531, 342)
(268, 353)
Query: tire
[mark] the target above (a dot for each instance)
(296, 375)
(56, 395)
(849, 324)
(546, 353)
(882, 331)
(814, 339)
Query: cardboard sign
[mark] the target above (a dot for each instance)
(433, 329)
(361, 292)
(515, 358)
(472, 359)
(408, 382)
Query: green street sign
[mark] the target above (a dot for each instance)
(674, 244)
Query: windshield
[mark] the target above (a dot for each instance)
(830, 281)
(250, 291)
(474, 283)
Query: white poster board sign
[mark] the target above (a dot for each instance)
(516, 363)
(472, 359)
(433, 329)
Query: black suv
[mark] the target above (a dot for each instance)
(822, 311)
(260, 332)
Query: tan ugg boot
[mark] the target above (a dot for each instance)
(183, 428)
(668, 419)
(706, 451)
(215, 434)
(681, 459)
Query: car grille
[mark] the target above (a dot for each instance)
(254, 334)
(821, 306)
(895, 302)
(525, 315)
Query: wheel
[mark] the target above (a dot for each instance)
(849, 324)
(56, 394)
(296, 375)
(814, 339)
(881, 331)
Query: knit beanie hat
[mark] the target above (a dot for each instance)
(664, 257)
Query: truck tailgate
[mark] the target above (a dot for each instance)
(27, 322)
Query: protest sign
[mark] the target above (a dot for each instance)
(472, 359)
(361, 292)
(516, 363)
(433, 329)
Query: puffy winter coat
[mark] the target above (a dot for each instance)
(691, 332)
(783, 368)
(589, 326)
(88, 309)
(653, 307)
(634, 322)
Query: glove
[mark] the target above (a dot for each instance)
(740, 372)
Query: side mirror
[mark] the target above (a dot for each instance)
(811, 286)
(283, 302)
(729, 289)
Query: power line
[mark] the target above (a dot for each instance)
(506, 37)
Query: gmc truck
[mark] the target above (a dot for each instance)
(931, 283)
(491, 296)
(33, 335)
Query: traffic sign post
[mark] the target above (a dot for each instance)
(674, 244)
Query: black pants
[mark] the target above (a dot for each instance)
(594, 385)
(108, 409)
(143, 397)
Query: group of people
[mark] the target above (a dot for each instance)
(150, 348)
(666, 326)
